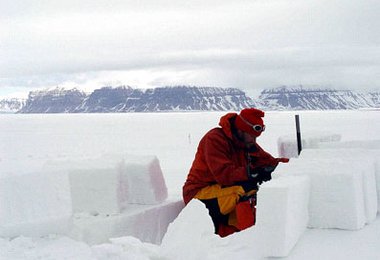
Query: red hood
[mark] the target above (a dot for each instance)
(225, 123)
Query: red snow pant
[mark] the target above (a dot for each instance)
(232, 209)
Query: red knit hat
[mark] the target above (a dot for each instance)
(250, 121)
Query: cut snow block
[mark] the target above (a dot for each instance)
(144, 179)
(287, 147)
(95, 184)
(287, 144)
(369, 148)
(35, 204)
(145, 222)
(342, 195)
(282, 213)
(357, 161)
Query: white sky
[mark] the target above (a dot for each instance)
(243, 43)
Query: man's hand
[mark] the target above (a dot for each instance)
(264, 173)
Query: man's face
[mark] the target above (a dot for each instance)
(249, 140)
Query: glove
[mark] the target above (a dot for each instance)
(260, 175)
(264, 173)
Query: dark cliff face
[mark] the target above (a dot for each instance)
(127, 99)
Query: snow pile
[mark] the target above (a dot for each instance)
(50, 247)
(34, 204)
(126, 248)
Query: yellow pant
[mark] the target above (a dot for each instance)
(227, 198)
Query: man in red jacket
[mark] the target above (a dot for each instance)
(227, 169)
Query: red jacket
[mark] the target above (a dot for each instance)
(221, 158)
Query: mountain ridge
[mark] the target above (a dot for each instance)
(123, 98)
(127, 99)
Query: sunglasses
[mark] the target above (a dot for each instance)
(257, 128)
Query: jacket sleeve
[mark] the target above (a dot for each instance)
(219, 160)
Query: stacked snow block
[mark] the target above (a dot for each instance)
(94, 184)
(143, 180)
(34, 204)
(343, 189)
(287, 144)
(282, 213)
(107, 185)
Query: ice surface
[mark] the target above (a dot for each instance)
(34, 204)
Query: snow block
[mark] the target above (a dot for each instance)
(357, 161)
(372, 148)
(144, 179)
(287, 144)
(282, 213)
(147, 223)
(35, 204)
(343, 190)
(95, 184)
(108, 184)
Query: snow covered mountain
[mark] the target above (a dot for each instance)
(11, 105)
(127, 99)
(299, 98)
(188, 98)
(57, 100)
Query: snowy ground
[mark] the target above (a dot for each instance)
(28, 141)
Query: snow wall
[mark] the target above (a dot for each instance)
(332, 184)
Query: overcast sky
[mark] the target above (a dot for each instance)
(247, 44)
